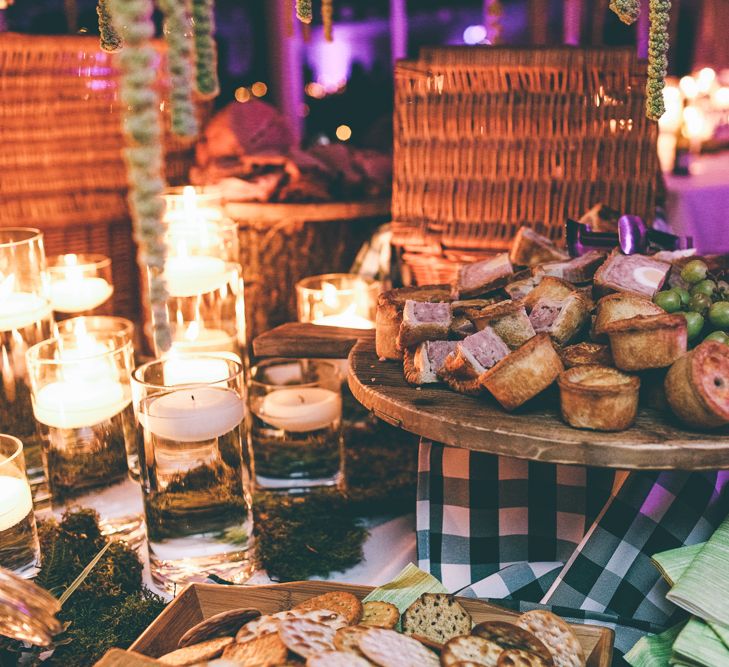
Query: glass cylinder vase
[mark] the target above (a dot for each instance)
(195, 479)
(26, 318)
(338, 300)
(19, 550)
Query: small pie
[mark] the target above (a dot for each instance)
(585, 354)
(647, 341)
(484, 276)
(472, 357)
(637, 274)
(598, 398)
(530, 248)
(620, 306)
(508, 319)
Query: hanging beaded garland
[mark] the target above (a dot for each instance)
(327, 15)
(110, 40)
(143, 153)
(304, 11)
(206, 53)
(659, 12)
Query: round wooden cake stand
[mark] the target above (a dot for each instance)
(535, 431)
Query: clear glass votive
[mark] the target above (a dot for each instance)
(338, 300)
(79, 283)
(103, 325)
(195, 481)
(295, 429)
(81, 394)
(19, 550)
(26, 318)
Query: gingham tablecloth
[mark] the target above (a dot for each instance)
(574, 539)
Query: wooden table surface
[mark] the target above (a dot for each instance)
(535, 431)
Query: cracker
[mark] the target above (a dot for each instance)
(264, 651)
(388, 648)
(270, 623)
(341, 602)
(470, 648)
(509, 635)
(347, 639)
(223, 624)
(305, 637)
(557, 636)
(337, 659)
(380, 614)
(191, 655)
(436, 616)
(515, 657)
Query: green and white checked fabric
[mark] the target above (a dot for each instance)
(561, 536)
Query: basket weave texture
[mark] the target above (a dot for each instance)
(487, 139)
(61, 166)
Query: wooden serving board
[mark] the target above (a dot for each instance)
(200, 601)
(535, 431)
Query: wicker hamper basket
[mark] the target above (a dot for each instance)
(61, 167)
(490, 138)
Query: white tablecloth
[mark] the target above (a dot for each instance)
(698, 205)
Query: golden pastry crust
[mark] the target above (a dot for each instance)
(508, 319)
(529, 248)
(697, 386)
(585, 354)
(499, 273)
(647, 341)
(388, 319)
(598, 398)
(460, 375)
(548, 288)
(620, 306)
(523, 374)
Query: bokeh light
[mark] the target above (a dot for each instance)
(344, 133)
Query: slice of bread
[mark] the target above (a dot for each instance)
(436, 616)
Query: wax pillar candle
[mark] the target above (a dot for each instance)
(16, 501)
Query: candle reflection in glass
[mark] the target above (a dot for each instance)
(26, 318)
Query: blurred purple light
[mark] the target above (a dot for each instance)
(474, 34)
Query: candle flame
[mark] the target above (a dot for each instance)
(189, 200)
(74, 272)
(330, 296)
(192, 332)
(6, 285)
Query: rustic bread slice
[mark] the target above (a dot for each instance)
(436, 616)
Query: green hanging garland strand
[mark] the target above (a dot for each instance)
(178, 34)
(627, 10)
(327, 18)
(304, 11)
(658, 38)
(206, 55)
(110, 40)
(144, 153)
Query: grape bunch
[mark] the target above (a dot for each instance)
(705, 305)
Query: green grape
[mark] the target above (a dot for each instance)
(718, 336)
(684, 295)
(699, 303)
(694, 271)
(719, 314)
(694, 324)
(704, 287)
(668, 300)
(723, 288)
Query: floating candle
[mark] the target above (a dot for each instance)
(198, 370)
(302, 409)
(16, 501)
(21, 309)
(193, 414)
(76, 404)
(192, 275)
(73, 290)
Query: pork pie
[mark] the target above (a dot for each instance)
(423, 364)
(585, 354)
(620, 306)
(697, 386)
(598, 398)
(473, 356)
(423, 321)
(390, 306)
(561, 319)
(508, 319)
(530, 248)
(637, 274)
(484, 276)
(577, 270)
(524, 373)
(551, 288)
(650, 341)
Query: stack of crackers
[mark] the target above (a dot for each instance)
(337, 630)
